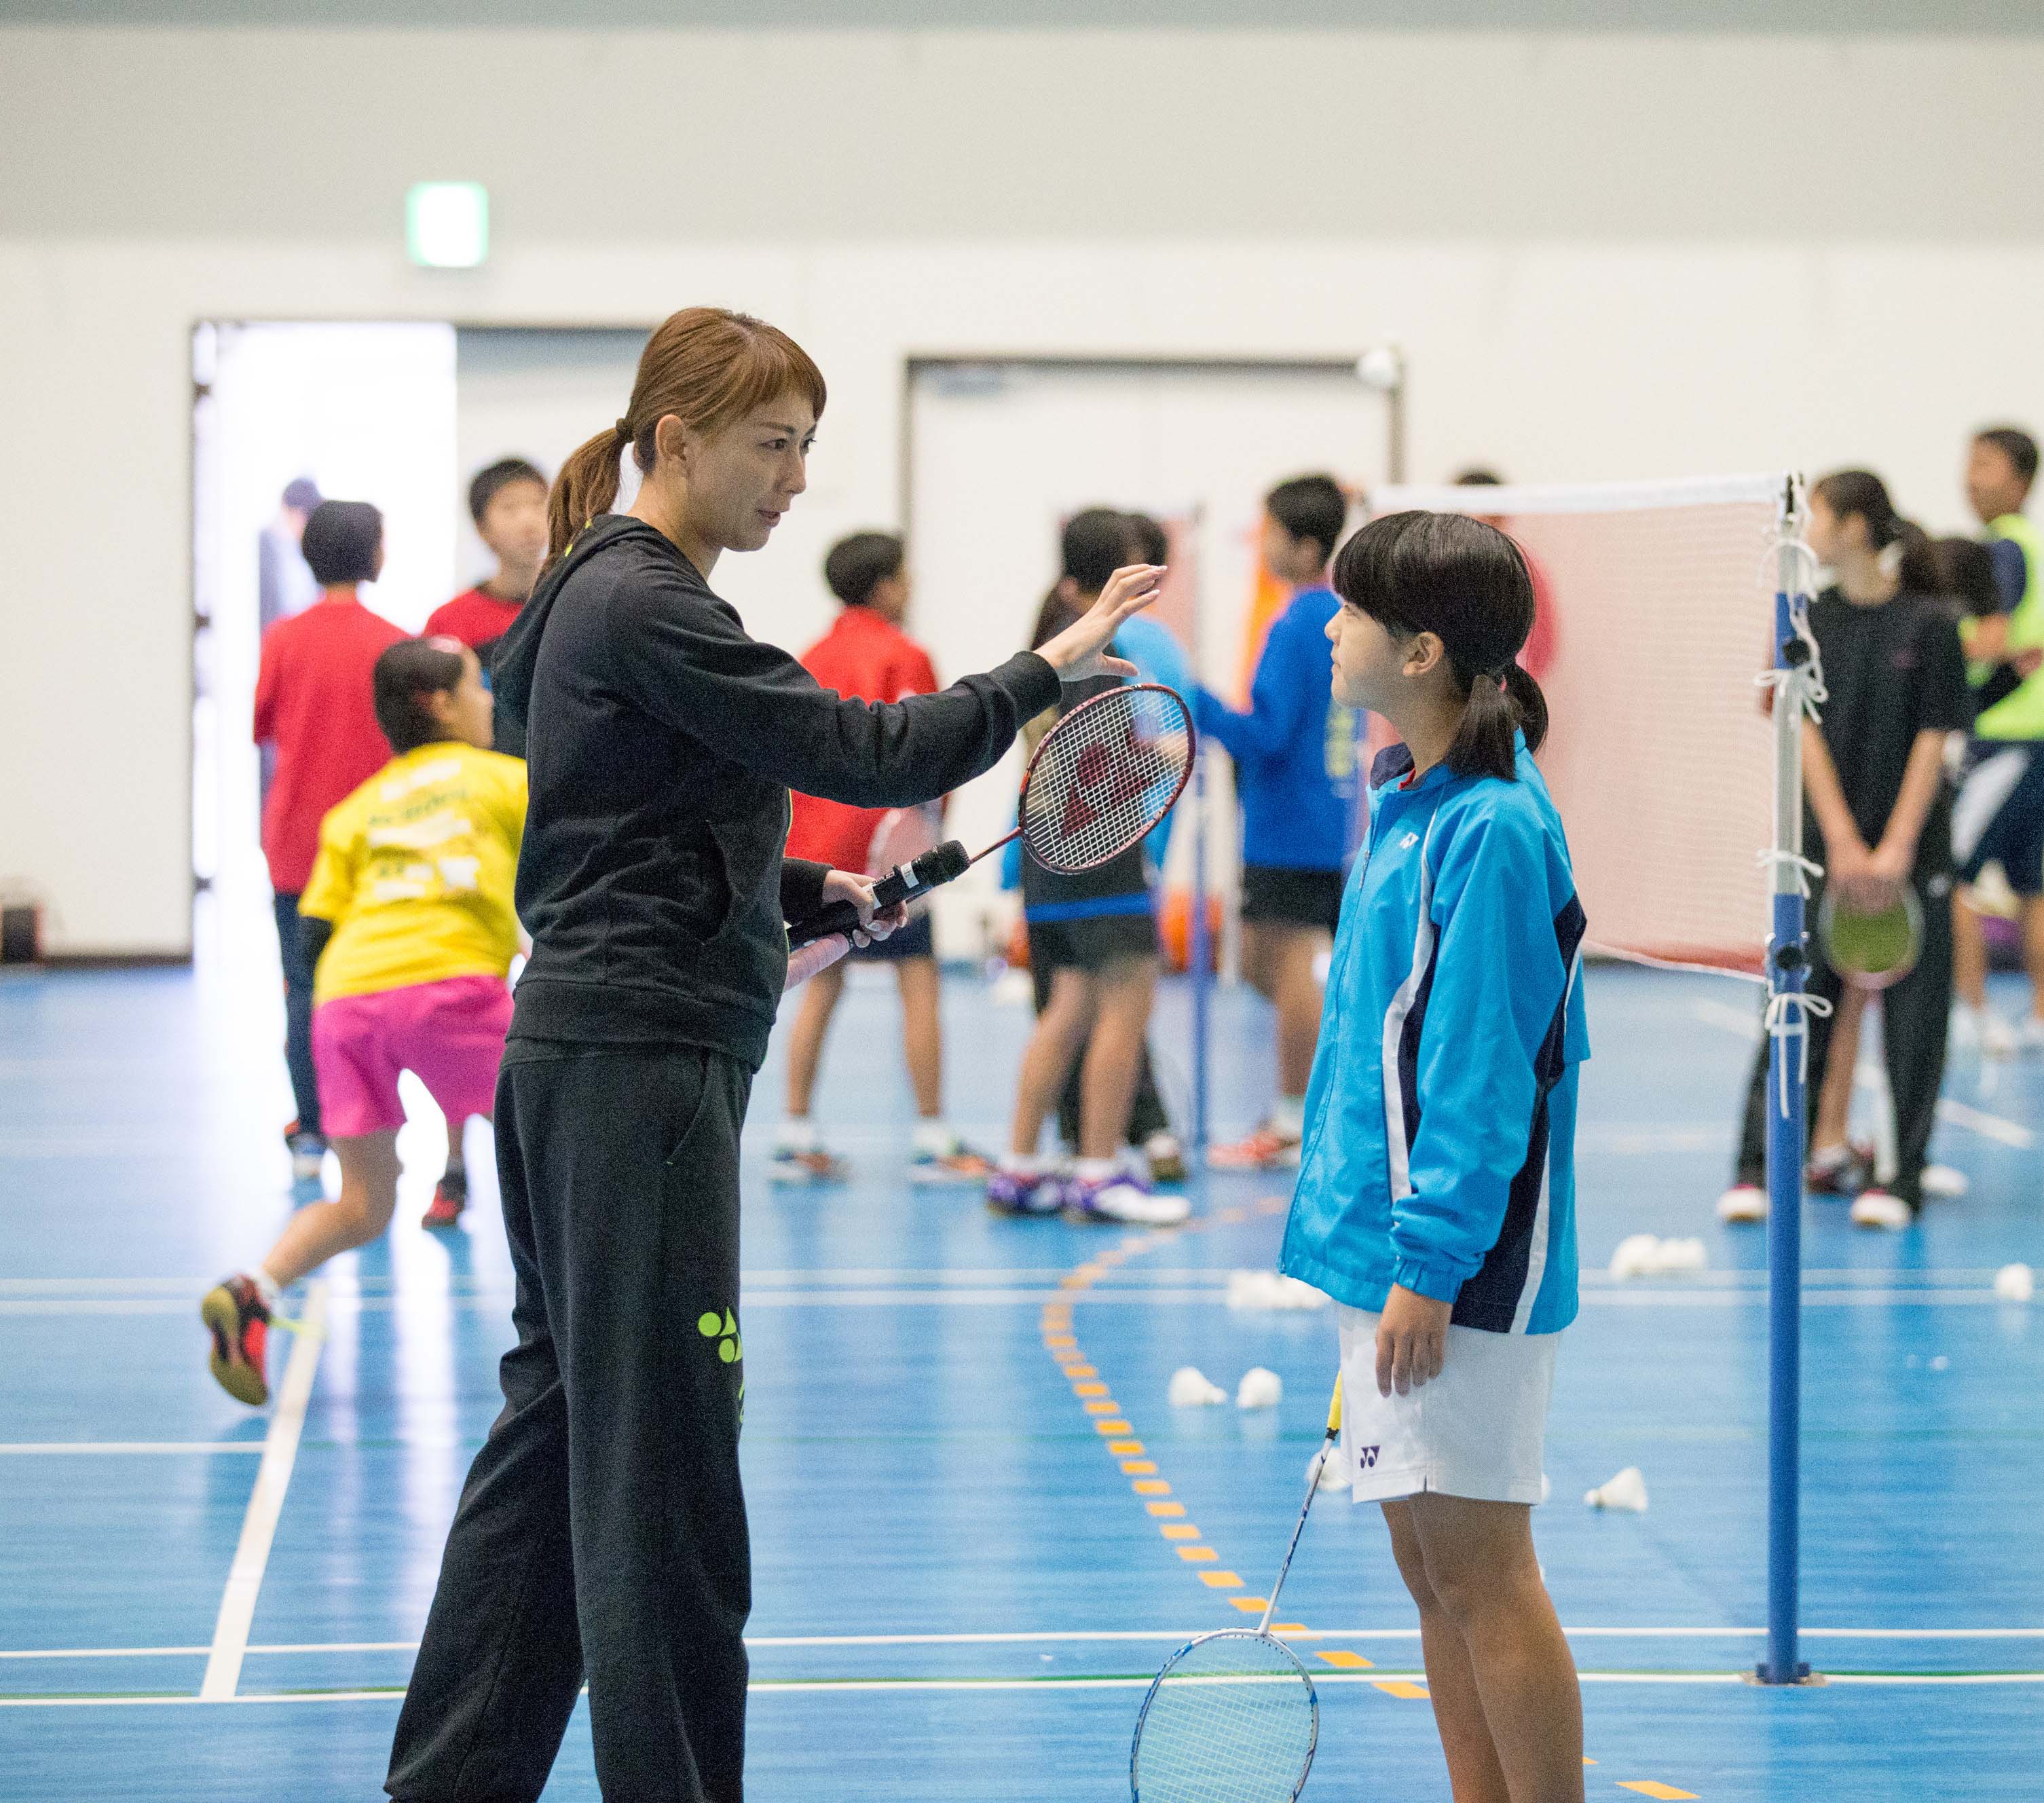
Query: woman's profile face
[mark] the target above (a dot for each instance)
(742, 479)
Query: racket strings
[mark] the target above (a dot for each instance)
(1107, 774)
(1231, 1720)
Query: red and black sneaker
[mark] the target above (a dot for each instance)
(450, 1197)
(236, 1315)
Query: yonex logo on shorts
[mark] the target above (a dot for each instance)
(724, 1329)
(1366, 1457)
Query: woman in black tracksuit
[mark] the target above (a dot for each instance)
(602, 1532)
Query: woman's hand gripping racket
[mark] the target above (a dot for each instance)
(1233, 1718)
(1102, 777)
(901, 835)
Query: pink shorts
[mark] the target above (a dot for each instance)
(449, 1034)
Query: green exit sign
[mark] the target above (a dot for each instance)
(447, 224)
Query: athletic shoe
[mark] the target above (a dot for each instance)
(2029, 1037)
(1265, 1149)
(234, 1312)
(1743, 1202)
(809, 1169)
(450, 1197)
(308, 1155)
(1836, 1170)
(1977, 1029)
(1019, 1193)
(1121, 1197)
(1942, 1180)
(1875, 1208)
(954, 1162)
(1165, 1157)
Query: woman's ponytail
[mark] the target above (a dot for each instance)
(585, 487)
(1499, 707)
(707, 367)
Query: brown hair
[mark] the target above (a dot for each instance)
(709, 366)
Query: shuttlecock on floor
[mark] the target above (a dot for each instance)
(1627, 1490)
(1270, 1289)
(1942, 1180)
(1334, 1470)
(1191, 1389)
(1647, 1255)
(2015, 1283)
(1259, 1389)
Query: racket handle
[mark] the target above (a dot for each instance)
(1334, 1411)
(905, 882)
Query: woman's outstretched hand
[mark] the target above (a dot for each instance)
(1080, 651)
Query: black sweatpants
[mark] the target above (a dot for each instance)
(1916, 1017)
(602, 1528)
(298, 1013)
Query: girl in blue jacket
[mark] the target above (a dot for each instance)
(1436, 1191)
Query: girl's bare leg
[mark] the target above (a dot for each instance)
(1061, 1030)
(368, 1194)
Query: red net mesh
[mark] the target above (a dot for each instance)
(1107, 773)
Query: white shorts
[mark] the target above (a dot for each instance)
(1477, 1430)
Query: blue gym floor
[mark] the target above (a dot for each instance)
(960, 1589)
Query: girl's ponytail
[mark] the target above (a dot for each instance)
(1499, 707)
(585, 487)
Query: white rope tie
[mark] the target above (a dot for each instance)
(1805, 868)
(1788, 1015)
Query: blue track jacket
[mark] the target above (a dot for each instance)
(1296, 750)
(1439, 1149)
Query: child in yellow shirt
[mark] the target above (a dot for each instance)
(408, 922)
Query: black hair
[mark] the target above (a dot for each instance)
(1095, 543)
(1846, 492)
(406, 674)
(1312, 507)
(858, 565)
(491, 481)
(1965, 574)
(1152, 544)
(1467, 583)
(340, 543)
(1479, 478)
(2013, 443)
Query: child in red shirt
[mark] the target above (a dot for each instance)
(867, 655)
(508, 501)
(314, 703)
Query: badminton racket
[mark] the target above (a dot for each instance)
(1101, 778)
(899, 836)
(1872, 949)
(1233, 1717)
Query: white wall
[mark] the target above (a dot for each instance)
(1607, 257)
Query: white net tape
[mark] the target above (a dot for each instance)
(1660, 756)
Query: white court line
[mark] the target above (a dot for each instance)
(1092, 1636)
(839, 1685)
(137, 1446)
(265, 1503)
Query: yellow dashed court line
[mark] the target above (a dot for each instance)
(1151, 1486)
(1165, 1507)
(1649, 1787)
(1400, 1688)
(1343, 1660)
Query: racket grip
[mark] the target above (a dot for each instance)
(905, 882)
(1334, 1411)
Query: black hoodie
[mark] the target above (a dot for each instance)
(662, 741)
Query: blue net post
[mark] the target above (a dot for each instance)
(1198, 958)
(1788, 973)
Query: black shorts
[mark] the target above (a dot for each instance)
(1092, 942)
(1280, 896)
(914, 940)
(1999, 818)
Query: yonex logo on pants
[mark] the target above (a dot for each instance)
(724, 1329)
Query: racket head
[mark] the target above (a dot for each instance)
(1871, 949)
(1231, 1718)
(1105, 774)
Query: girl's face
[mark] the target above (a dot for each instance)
(741, 480)
(465, 710)
(1828, 534)
(1369, 661)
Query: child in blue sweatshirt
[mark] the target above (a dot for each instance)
(1435, 1199)
(1295, 753)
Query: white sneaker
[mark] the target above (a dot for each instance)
(1981, 1030)
(1123, 1198)
(1942, 1180)
(1875, 1208)
(1743, 1202)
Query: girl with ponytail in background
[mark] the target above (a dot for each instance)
(601, 1534)
(1436, 1193)
(1877, 816)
